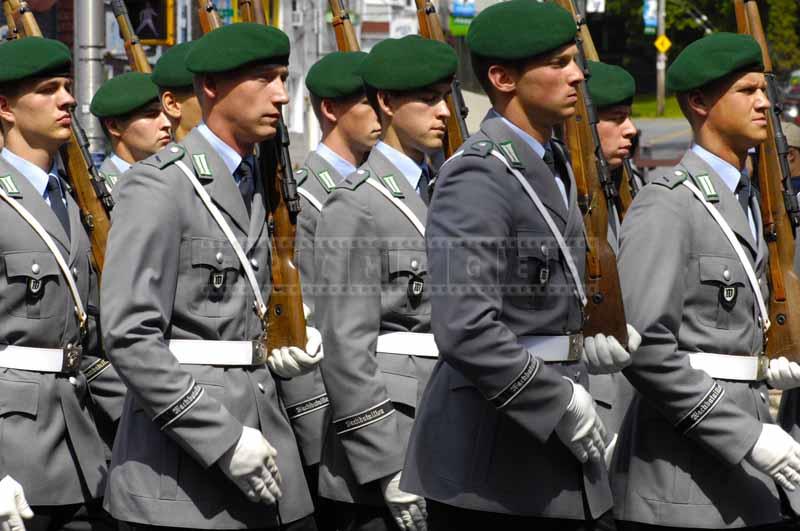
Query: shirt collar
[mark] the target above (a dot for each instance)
(726, 171)
(342, 167)
(121, 164)
(410, 169)
(228, 155)
(532, 142)
(37, 176)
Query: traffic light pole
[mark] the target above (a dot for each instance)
(661, 61)
(90, 42)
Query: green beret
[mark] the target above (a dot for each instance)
(230, 47)
(34, 56)
(610, 84)
(123, 94)
(519, 29)
(712, 58)
(170, 70)
(409, 63)
(336, 75)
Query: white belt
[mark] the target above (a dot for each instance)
(409, 343)
(554, 348)
(224, 353)
(729, 367)
(67, 359)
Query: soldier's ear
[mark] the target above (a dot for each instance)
(5, 110)
(327, 109)
(698, 102)
(385, 101)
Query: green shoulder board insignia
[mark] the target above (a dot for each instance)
(480, 149)
(326, 181)
(111, 179)
(391, 184)
(165, 157)
(201, 165)
(10, 187)
(707, 187)
(300, 176)
(354, 180)
(510, 153)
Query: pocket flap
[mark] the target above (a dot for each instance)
(31, 264)
(535, 244)
(215, 254)
(722, 270)
(19, 397)
(406, 261)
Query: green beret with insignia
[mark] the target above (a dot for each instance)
(336, 75)
(31, 57)
(124, 94)
(231, 47)
(409, 63)
(170, 70)
(712, 58)
(610, 84)
(519, 29)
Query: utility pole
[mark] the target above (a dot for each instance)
(661, 61)
(90, 41)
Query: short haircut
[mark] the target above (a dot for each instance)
(481, 66)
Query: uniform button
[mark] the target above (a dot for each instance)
(35, 269)
(73, 381)
(219, 258)
(254, 263)
(726, 274)
(261, 388)
(75, 272)
(544, 249)
(361, 172)
(174, 149)
(414, 264)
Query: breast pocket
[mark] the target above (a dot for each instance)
(725, 299)
(406, 274)
(531, 275)
(34, 285)
(213, 276)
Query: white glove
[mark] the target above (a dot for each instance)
(777, 454)
(783, 374)
(251, 465)
(580, 429)
(408, 510)
(13, 505)
(603, 354)
(288, 362)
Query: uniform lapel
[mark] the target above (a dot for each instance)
(381, 168)
(258, 212)
(755, 208)
(529, 163)
(216, 179)
(574, 216)
(75, 228)
(319, 165)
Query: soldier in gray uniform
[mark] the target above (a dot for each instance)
(202, 416)
(699, 448)
(373, 303)
(507, 436)
(50, 445)
(130, 112)
(175, 88)
(349, 130)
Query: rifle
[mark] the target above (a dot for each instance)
(208, 15)
(12, 32)
(596, 191)
(346, 40)
(628, 188)
(779, 207)
(133, 47)
(88, 186)
(431, 28)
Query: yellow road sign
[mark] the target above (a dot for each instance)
(663, 44)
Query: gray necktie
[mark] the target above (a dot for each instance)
(744, 190)
(57, 202)
(423, 186)
(246, 183)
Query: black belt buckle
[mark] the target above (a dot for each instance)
(72, 358)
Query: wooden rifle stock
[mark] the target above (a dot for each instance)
(431, 28)
(12, 32)
(88, 187)
(208, 15)
(133, 47)
(605, 313)
(346, 40)
(779, 208)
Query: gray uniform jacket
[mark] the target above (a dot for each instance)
(484, 436)
(49, 440)
(304, 397)
(368, 256)
(163, 249)
(680, 460)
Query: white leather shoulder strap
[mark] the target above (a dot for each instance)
(407, 212)
(51, 245)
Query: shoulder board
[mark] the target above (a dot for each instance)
(165, 157)
(354, 180)
(300, 176)
(481, 148)
(671, 179)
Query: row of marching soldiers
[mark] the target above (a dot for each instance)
(454, 388)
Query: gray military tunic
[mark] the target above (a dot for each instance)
(368, 256)
(304, 397)
(484, 435)
(164, 252)
(49, 440)
(680, 458)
